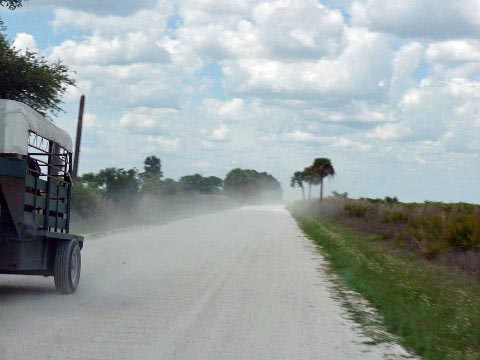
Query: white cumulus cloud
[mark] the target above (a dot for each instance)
(24, 41)
(391, 85)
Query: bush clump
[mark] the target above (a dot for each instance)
(357, 209)
(430, 228)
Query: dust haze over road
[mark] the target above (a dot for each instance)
(239, 284)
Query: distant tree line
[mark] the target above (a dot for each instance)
(251, 184)
(386, 200)
(125, 187)
(314, 174)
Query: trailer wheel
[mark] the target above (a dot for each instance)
(66, 270)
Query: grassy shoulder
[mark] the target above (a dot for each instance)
(434, 311)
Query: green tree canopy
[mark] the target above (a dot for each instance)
(168, 187)
(153, 166)
(93, 181)
(298, 179)
(251, 184)
(198, 184)
(151, 177)
(322, 168)
(11, 4)
(310, 178)
(211, 184)
(118, 185)
(190, 183)
(31, 79)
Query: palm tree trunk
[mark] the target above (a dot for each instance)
(303, 194)
(309, 191)
(321, 189)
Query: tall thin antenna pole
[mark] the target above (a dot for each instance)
(79, 137)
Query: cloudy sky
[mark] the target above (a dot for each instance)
(388, 89)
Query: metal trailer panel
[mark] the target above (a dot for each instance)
(27, 242)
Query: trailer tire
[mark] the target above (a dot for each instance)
(68, 263)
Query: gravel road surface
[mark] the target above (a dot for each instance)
(240, 284)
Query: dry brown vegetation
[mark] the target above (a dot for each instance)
(446, 233)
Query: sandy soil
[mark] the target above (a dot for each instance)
(242, 284)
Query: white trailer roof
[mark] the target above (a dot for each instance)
(17, 119)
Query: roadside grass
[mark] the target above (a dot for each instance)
(434, 311)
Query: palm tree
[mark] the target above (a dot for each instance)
(322, 168)
(310, 178)
(297, 180)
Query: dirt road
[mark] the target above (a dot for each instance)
(241, 284)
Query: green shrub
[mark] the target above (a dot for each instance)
(391, 200)
(432, 227)
(396, 216)
(357, 209)
(463, 232)
(372, 200)
(387, 200)
(428, 230)
(86, 202)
